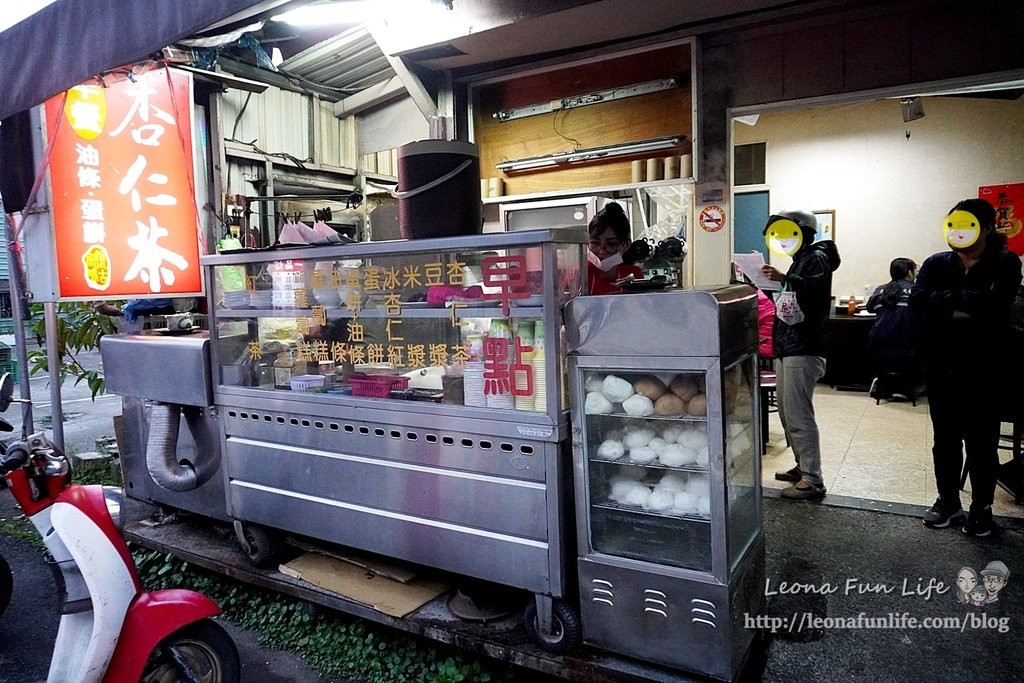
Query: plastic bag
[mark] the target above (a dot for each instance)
(787, 308)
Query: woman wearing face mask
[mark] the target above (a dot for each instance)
(610, 234)
(965, 295)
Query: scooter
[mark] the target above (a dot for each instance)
(110, 629)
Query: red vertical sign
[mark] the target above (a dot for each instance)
(1009, 203)
(125, 223)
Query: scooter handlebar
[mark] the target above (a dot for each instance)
(14, 457)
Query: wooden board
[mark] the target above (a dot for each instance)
(635, 118)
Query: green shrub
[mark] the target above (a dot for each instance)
(333, 644)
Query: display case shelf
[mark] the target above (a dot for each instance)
(406, 312)
(624, 460)
(637, 510)
(671, 418)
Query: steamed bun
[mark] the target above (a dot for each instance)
(698, 405)
(661, 501)
(611, 450)
(670, 404)
(635, 438)
(651, 387)
(616, 389)
(658, 445)
(597, 404)
(677, 455)
(643, 454)
(593, 382)
(684, 387)
(638, 406)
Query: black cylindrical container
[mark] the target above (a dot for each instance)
(438, 189)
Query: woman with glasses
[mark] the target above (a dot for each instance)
(610, 234)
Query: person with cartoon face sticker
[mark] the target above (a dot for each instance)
(966, 581)
(964, 296)
(994, 576)
(798, 340)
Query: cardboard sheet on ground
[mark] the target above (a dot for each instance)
(386, 595)
(374, 563)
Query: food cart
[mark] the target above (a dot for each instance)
(308, 364)
(320, 434)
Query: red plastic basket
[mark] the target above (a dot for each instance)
(377, 386)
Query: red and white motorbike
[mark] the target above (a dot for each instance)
(110, 629)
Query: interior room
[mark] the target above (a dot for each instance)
(889, 182)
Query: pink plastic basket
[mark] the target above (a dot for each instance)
(377, 386)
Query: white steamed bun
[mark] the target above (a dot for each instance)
(616, 389)
(638, 406)
(611, 450)
(597, 404)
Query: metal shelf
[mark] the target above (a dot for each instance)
(637, 510)
(334, 313)
(653, 465)
(674, 418)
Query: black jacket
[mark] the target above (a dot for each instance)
(984, 293)
(898, 330)
(810, 277)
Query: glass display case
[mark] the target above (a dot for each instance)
(405, 398)
(667, 474)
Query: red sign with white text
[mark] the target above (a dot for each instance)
(124, 215)
(1009, 203)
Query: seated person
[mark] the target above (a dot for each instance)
(610, 234)
(895, 338)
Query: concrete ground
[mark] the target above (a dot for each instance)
(881, 563)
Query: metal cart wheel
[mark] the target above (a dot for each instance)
(261, 546)
(565, 627)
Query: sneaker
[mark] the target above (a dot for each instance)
(940, 515)
(793, 475)
(804, 490)
(979, 522)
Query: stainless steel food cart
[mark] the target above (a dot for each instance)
(667, 475)
(476, 480)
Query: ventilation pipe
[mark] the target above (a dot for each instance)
(161, 450)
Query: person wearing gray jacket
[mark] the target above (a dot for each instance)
(798, 340)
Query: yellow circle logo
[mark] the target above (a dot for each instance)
(784, 237)
(96, 263)
(961, 229)
(86, 110)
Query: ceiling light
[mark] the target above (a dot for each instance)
(356, 11)
(591, 154)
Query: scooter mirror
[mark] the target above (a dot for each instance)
(6, 394)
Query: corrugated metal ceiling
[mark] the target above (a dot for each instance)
(350, 62)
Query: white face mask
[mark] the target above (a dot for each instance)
(606, 264)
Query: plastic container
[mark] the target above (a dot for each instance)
(438, 189)
(377, 386)
(303, 382)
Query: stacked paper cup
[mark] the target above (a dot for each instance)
(539, 363)
(524, 333)
(501, 328)
(473, 384)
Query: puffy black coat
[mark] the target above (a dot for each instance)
(810, 276)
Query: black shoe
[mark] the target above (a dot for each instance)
(979, 522)
(794, 475)
(941, 515)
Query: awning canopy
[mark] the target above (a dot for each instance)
(70, 41)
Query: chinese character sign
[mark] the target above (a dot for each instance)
(124, 216)
(1009, 203)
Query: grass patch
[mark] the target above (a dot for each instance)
(333, 644)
